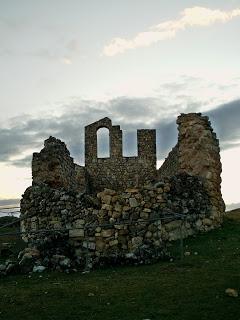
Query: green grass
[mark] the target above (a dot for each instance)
(16, 243)
(192, 289)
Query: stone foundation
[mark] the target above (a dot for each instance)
(133, 225)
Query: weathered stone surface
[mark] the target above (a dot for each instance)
(118, 172)
(231, 292)
(137, 241)
(79, 222)
(106, 199)
(173, 225)
(107, 233)
(76, 233)
(133, 202)
(207, 222)
(89, 245)
(39, 269)
(113, 242)
(129, 230)
(54, 166)
(144, 215)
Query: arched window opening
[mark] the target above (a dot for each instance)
(103, 143)
(130, 143)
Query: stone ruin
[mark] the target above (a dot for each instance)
(122, 209)
(118, 172)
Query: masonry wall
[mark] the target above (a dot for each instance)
(170, 166)
(198, 154)
(118, 172)
(54, 166)
(131, 226)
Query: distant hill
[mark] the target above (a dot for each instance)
(9, 207)
(9, 202)
(234, 214)
(232, 206)
(9, 219)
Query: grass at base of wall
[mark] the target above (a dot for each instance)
(192, 289)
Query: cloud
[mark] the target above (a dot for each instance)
(23, 162)
(26, 134)
(225, 120)
(189, 17)
(65, 53)
(13, 24)
(66, 60)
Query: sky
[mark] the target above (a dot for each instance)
(67, 63)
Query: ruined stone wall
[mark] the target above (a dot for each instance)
(198, 154)
(133, 225)
(54, 166)
(170, 166)
(82, 180)
(120, 225)
(118, 172)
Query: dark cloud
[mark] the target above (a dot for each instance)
(225, 120)
(14, 141)
(27, 133)
(166, 135)
(22, 163)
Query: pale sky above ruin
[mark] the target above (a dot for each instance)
(65, 64)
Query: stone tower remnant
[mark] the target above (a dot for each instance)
(197, 153)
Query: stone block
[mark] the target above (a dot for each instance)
(113, 242)
(137, 241)
(132, 190)
(173, 225)
(148, 234)
(107, 207)
(106, 233)
(106, 199)
(207, 222)
(76, 233)
(144, 215)
(100, 244)
(133, 203)
(79, 223)
(89, 245)
(118, 207)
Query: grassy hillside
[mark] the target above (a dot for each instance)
(234, 214)
(192, 289)
(14, 241)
